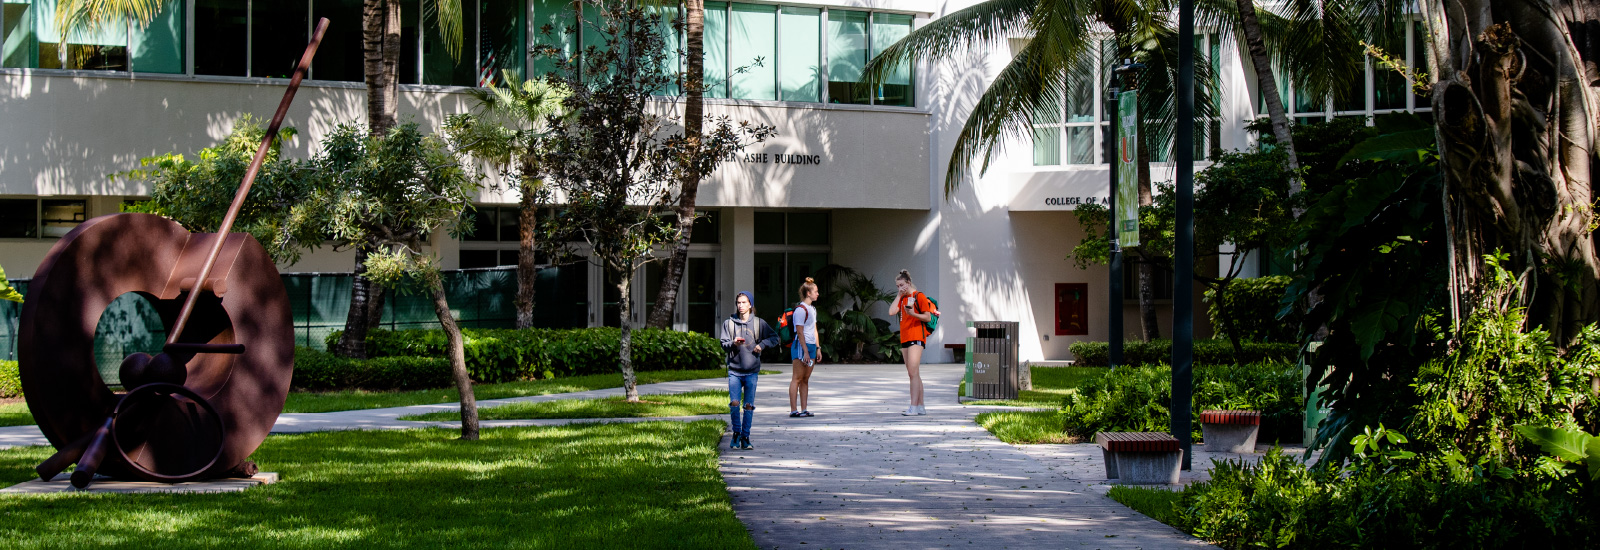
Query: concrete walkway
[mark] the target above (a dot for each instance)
(860, 475)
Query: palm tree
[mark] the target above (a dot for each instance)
(694, 88)
(1064, 36)
(508, 129)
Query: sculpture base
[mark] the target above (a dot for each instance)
(62, 484)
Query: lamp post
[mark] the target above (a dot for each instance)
(1183, 253)
(1114, 300)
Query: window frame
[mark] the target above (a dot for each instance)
(38, 215)
(1413, 52)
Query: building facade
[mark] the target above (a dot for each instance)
(853, 177)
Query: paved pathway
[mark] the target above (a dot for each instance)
(861, 475)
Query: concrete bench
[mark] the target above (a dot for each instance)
(1230, 431)
(1141, 458)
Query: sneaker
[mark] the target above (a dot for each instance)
(910, 411)
(744, 443)
(734, 442)
(806, 414)
(921, 410)
(795, 414)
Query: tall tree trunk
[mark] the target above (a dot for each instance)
(380, 45)
(1249, 31)
(527, 218)
(458, 362)
(1148, 322)
(353, 343)
(1515, 121)
(693, 120)
(630, 386)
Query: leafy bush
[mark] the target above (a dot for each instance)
(1254, 305)
(501, 355)
(1156, 352)
(319, 370)
(1281, 503)
(1135, 399)
(10, 380)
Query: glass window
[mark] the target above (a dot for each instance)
(847, 56)
(716, 49)
(665, 18)
(473, 259)
(808, 227)
(510, 223)
(340, 55)
(19, 43)
(221, 34)
(1419, 40)
(800, 54)
(484, 224)
(552, 26)
(438, 66)
(755, 71)
(1305, 103)
(1389, 86)
(1047, 146)
(58, 217)
(410, 14)
(1080, 144)
(19, 218)
(158, 47)
(707, 228)
(888, 28)
(501, 41)
(278, 35)
(700, 283)
(769, 228)
(104, 48)
(560, 298)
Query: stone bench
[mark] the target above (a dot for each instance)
(1141, 458)
(1230, 431)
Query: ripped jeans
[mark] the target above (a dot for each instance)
(741, 389)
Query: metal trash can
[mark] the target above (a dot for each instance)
(992, 359)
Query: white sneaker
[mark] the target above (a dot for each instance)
(921, 410)
(910, 411)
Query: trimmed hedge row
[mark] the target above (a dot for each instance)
(320, 370)
(501, 355)
(1136, 399)
(10, 380)
(1159, 352)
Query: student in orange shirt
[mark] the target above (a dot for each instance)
(914, 310)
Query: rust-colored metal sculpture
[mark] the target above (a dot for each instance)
(200, 407)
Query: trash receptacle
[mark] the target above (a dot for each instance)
(992, 359)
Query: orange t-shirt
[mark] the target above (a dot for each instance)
(911, 328)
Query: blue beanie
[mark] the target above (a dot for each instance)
(747, 296)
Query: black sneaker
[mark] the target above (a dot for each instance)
(733, 443)
(744, 443)
(795, 414)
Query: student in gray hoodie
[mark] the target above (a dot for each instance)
(743, 337)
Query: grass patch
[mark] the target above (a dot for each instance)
(651, 484)
(1159, 504)
(15, 413)
(676, 404)
(349, 400)
(1050, 385)
(1026, 427)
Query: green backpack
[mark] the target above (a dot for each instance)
(933, 322)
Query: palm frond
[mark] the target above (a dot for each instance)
(80, 15)
(447, 14)
(984, 25)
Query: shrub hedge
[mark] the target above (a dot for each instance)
(320, 370)
(10, 380)
(1157, 352)
(501, 355)
(1136, 399)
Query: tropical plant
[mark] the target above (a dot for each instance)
(1572, 445)
(849, 330)
(7, 292)
(509, 128)
(615, 160)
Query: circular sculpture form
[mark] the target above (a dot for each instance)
(236, 354)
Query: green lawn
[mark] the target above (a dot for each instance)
(1050, 384)
(677, 404)
(1155, 502)
(647, 485)
(15, 414)
(1024, 427)
(349, 400)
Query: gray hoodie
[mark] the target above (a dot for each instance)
(742, 359)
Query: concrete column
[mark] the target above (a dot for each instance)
(738, 252)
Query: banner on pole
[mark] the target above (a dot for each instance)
(1128, 169)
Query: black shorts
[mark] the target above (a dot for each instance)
(904, 345)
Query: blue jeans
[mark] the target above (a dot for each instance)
(742, 389)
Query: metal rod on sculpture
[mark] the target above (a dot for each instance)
(249, 179)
